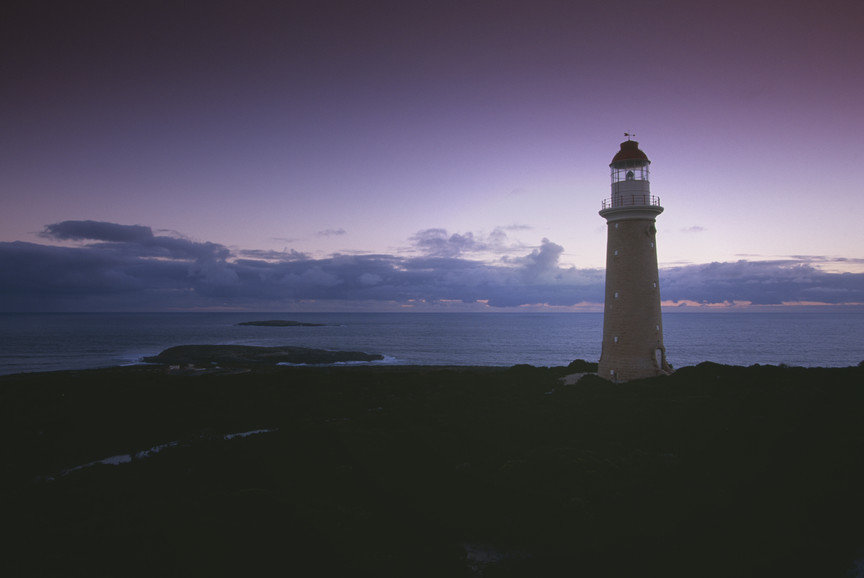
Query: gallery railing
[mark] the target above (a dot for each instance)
(630, 201)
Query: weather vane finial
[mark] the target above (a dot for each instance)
(629, 135)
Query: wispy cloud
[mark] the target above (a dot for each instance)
(331, 232)
(284, 255)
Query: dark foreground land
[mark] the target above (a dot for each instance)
(713, 471)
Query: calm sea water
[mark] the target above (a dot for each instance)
(46, 342)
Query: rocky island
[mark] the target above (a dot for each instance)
(243, 355)
(282, 323)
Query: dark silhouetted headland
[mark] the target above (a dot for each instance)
(425, 471)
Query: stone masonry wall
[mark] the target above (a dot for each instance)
(632, 325)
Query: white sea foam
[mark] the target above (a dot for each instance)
(110, 461)
(388, 360)
(480, 556)
(155, 450)
(857, 568)
(144, 454)
(246, 433)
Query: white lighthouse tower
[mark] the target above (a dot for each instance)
(632, 326)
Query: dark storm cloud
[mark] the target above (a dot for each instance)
(128, 264)
(97, 231)
(127, 269)
(133, 240)
(762, 282)
(39, 277)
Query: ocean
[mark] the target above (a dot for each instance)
(51, 341)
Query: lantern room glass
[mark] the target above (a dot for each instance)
(630, 171)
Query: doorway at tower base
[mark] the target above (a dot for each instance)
(633, 368)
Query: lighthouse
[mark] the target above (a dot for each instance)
(632, 326)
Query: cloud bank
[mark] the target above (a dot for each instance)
(116, 267)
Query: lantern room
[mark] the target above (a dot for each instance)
(630, 183)
(630, 163)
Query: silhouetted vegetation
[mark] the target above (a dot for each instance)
(411, 471)
(582, 366)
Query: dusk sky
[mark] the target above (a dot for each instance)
(437, 156)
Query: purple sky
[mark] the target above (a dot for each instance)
(279, 155)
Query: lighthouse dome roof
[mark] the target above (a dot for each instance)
(629, 152)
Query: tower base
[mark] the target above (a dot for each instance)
(624, 369)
